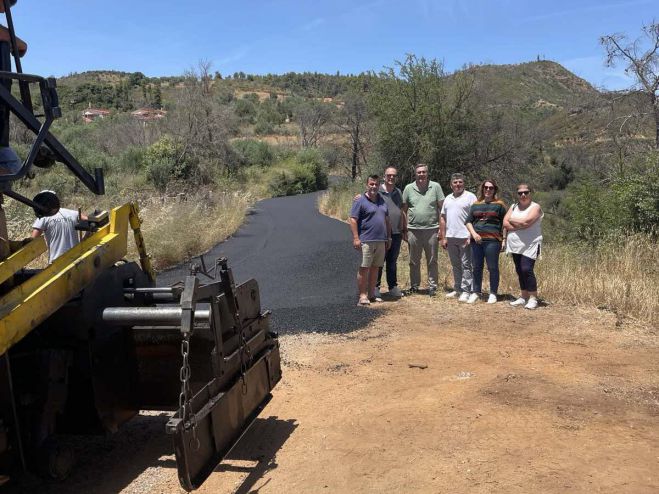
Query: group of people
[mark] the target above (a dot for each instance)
(474, 230)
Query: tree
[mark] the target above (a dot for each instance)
(202, 125)
(642, 63)
(157, 97)
(353, 119)
(422, 116)
(311, 116)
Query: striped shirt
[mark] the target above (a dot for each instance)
(487, 219)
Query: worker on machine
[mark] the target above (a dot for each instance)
(57, 225)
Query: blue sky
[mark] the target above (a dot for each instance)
(165, 37)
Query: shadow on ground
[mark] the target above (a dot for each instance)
(107, 465)
(260, 444)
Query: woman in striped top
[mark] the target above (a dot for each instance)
(485, 224)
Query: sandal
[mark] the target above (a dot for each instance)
(364, 301)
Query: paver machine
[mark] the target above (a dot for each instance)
(90, 340)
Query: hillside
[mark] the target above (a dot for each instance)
(568, 107)
(540, 84)
(556, 110)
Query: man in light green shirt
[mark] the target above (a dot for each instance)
(422, 202)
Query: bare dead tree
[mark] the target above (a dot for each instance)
(311, 117)
(352, 119)
(640, 62)
(628, 119)
(200, 122)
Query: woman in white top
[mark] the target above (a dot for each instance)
(523, 222)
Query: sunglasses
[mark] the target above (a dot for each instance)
(523, 192)
(488, 187)
(391, 175)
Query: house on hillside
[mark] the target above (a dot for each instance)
(91, 114)
(148, 114)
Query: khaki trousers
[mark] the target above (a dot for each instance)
(423, 241)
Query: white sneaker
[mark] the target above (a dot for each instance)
(518, 302)
(464, 296)
(492, 299)
(473, 298)
(532, 303)
(452, 294)
(376, 293)
(395, 292)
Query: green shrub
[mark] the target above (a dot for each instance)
(253, 97)
(299, 179)
(164, 162)
(313, 160)
(251, 152)
(588, 210)
(132, 159)
(245, 110)
(305, 172)
(636, 198)
(627, 204)
(263, 127)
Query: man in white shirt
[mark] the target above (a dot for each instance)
(58, 226)
(455, 236)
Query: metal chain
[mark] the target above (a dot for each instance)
(245, 353)
(184, 398)
(243, 364)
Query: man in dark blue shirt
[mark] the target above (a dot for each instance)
(371, 234)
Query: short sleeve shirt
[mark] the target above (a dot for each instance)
(371, 218)
(423, 208)
(59, 231)
(456, 210)
(394, 201)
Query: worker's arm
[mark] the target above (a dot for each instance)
(36, 233)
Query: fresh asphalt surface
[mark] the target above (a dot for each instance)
(303, 261)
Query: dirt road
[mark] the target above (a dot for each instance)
(560, 399)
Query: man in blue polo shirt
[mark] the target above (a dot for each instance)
(371, 234)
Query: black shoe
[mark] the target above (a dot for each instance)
(411, 291)
(432, 292)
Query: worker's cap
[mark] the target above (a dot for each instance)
(49, 203)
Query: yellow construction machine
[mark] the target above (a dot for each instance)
(89, 341)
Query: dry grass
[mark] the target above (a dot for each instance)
(621, 275)
(174, 227)
(336, 201)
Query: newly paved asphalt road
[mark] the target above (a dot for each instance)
(303, 261)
